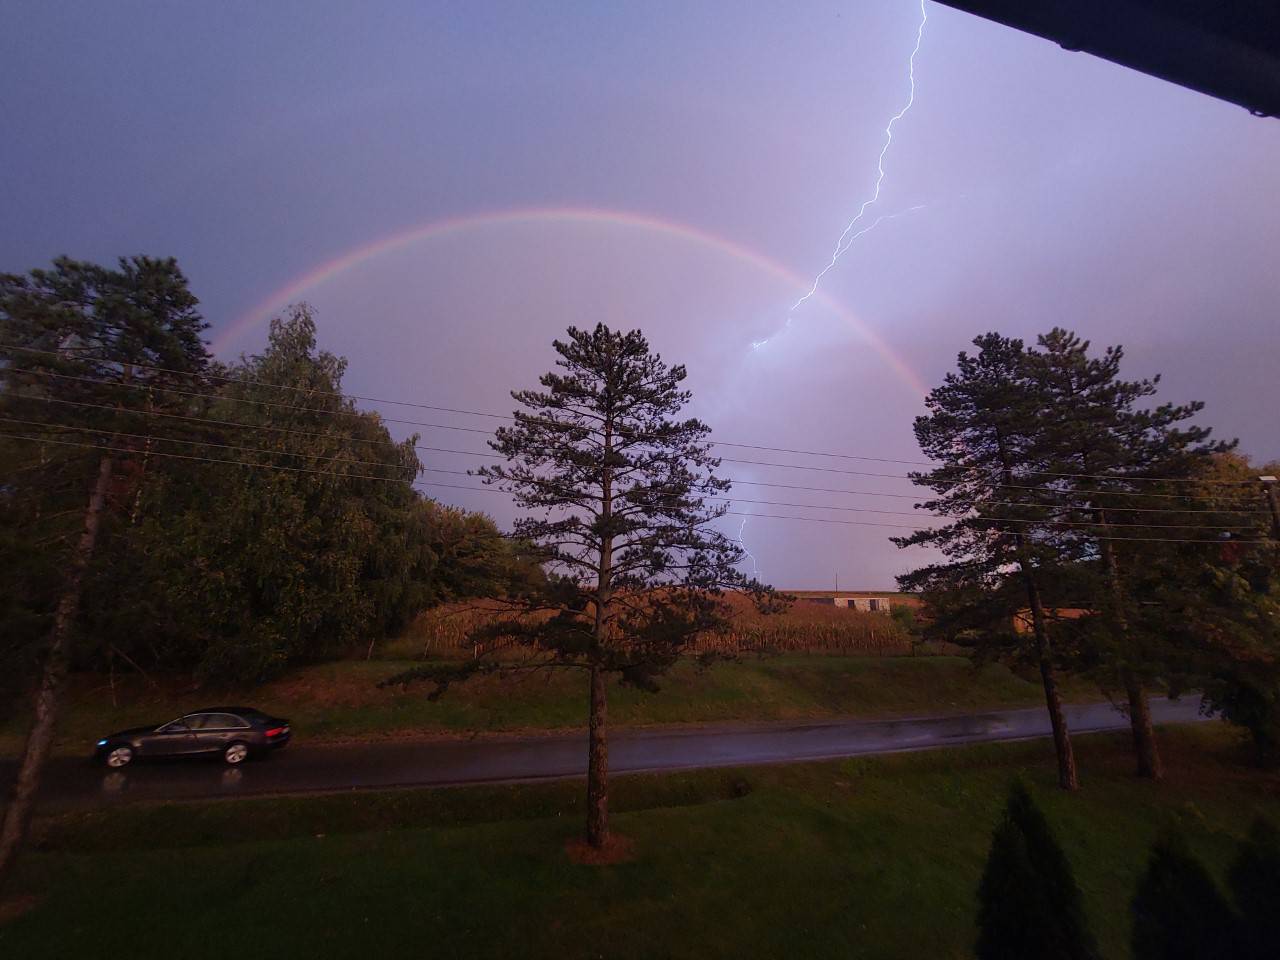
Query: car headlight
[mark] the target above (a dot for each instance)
(102, 743)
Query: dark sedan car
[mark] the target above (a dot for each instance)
(233, 733)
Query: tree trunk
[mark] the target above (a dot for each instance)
(1068, 779)
(597, 745)
(1144, 734)
(56, 664)
(1145, 749)
(597, 764)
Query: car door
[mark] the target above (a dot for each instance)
(216, 730)
(174, 739)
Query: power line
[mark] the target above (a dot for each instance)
(991, 503)
(207, 443)
(392, 443)
(330, 474)
(498, 416)
(470, 453)
(788, 466)
(862, 523)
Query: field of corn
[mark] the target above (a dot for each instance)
(445, 632)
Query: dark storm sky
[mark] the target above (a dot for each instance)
(720, 148)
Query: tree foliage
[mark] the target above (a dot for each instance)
(1030, 907)
(982, 428)
(82, 345)
(1255, 886)
(1178, 911)
(318, 548)
(616, 490)
(256, 517)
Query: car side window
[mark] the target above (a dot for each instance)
(225, 721)
(197, 721)
(173, 726)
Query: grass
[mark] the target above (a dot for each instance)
(342, 701)
(873, 857)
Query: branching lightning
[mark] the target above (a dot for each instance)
(850, 233)
(755, 567)
(845, 239)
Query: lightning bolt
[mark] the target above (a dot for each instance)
(845, 239)
(850, 233)
(755, 567)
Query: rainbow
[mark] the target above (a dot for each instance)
(296, 289)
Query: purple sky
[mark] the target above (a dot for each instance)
(258, 142)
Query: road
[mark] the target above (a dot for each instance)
(306, 768)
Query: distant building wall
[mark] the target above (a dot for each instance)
(849, 601)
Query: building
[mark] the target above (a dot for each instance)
(868, 600)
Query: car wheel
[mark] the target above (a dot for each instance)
(236, 753)
(121, 755)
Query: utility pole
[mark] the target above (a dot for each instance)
(1269, 485)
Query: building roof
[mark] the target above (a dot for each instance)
(1229, 49)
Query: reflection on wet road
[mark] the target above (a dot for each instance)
(303, 768)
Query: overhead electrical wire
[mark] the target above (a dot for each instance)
(787, 466)
(497, 416)
(489, 489)
(464, 472)
(393, 443)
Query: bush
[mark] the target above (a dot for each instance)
(1255, 884)
(1030, 907)
(1178, 911)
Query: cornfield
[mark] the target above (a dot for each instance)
(443, 632)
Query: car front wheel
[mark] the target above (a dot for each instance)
(236, 753)
(119, 756)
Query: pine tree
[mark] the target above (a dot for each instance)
(616, 487)
(1255, 886)
(1095, 442)
(1178, 911)
(1029, 905)
(982, 423)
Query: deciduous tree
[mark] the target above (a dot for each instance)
(82, 342)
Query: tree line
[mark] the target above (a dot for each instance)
(159, 509)
(319, 546)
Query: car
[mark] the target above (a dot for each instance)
(233, 733)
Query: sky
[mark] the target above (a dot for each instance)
(451, 185)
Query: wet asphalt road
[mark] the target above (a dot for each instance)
(312, 768)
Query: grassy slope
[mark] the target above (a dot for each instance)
(341, 700)
(875, 857)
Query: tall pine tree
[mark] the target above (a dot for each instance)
(616, 489)
(1102, 448)
(983, 422)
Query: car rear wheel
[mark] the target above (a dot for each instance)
(119, 756)
(236, 753)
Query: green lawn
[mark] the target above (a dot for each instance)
(874, 857)
(341, 700)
